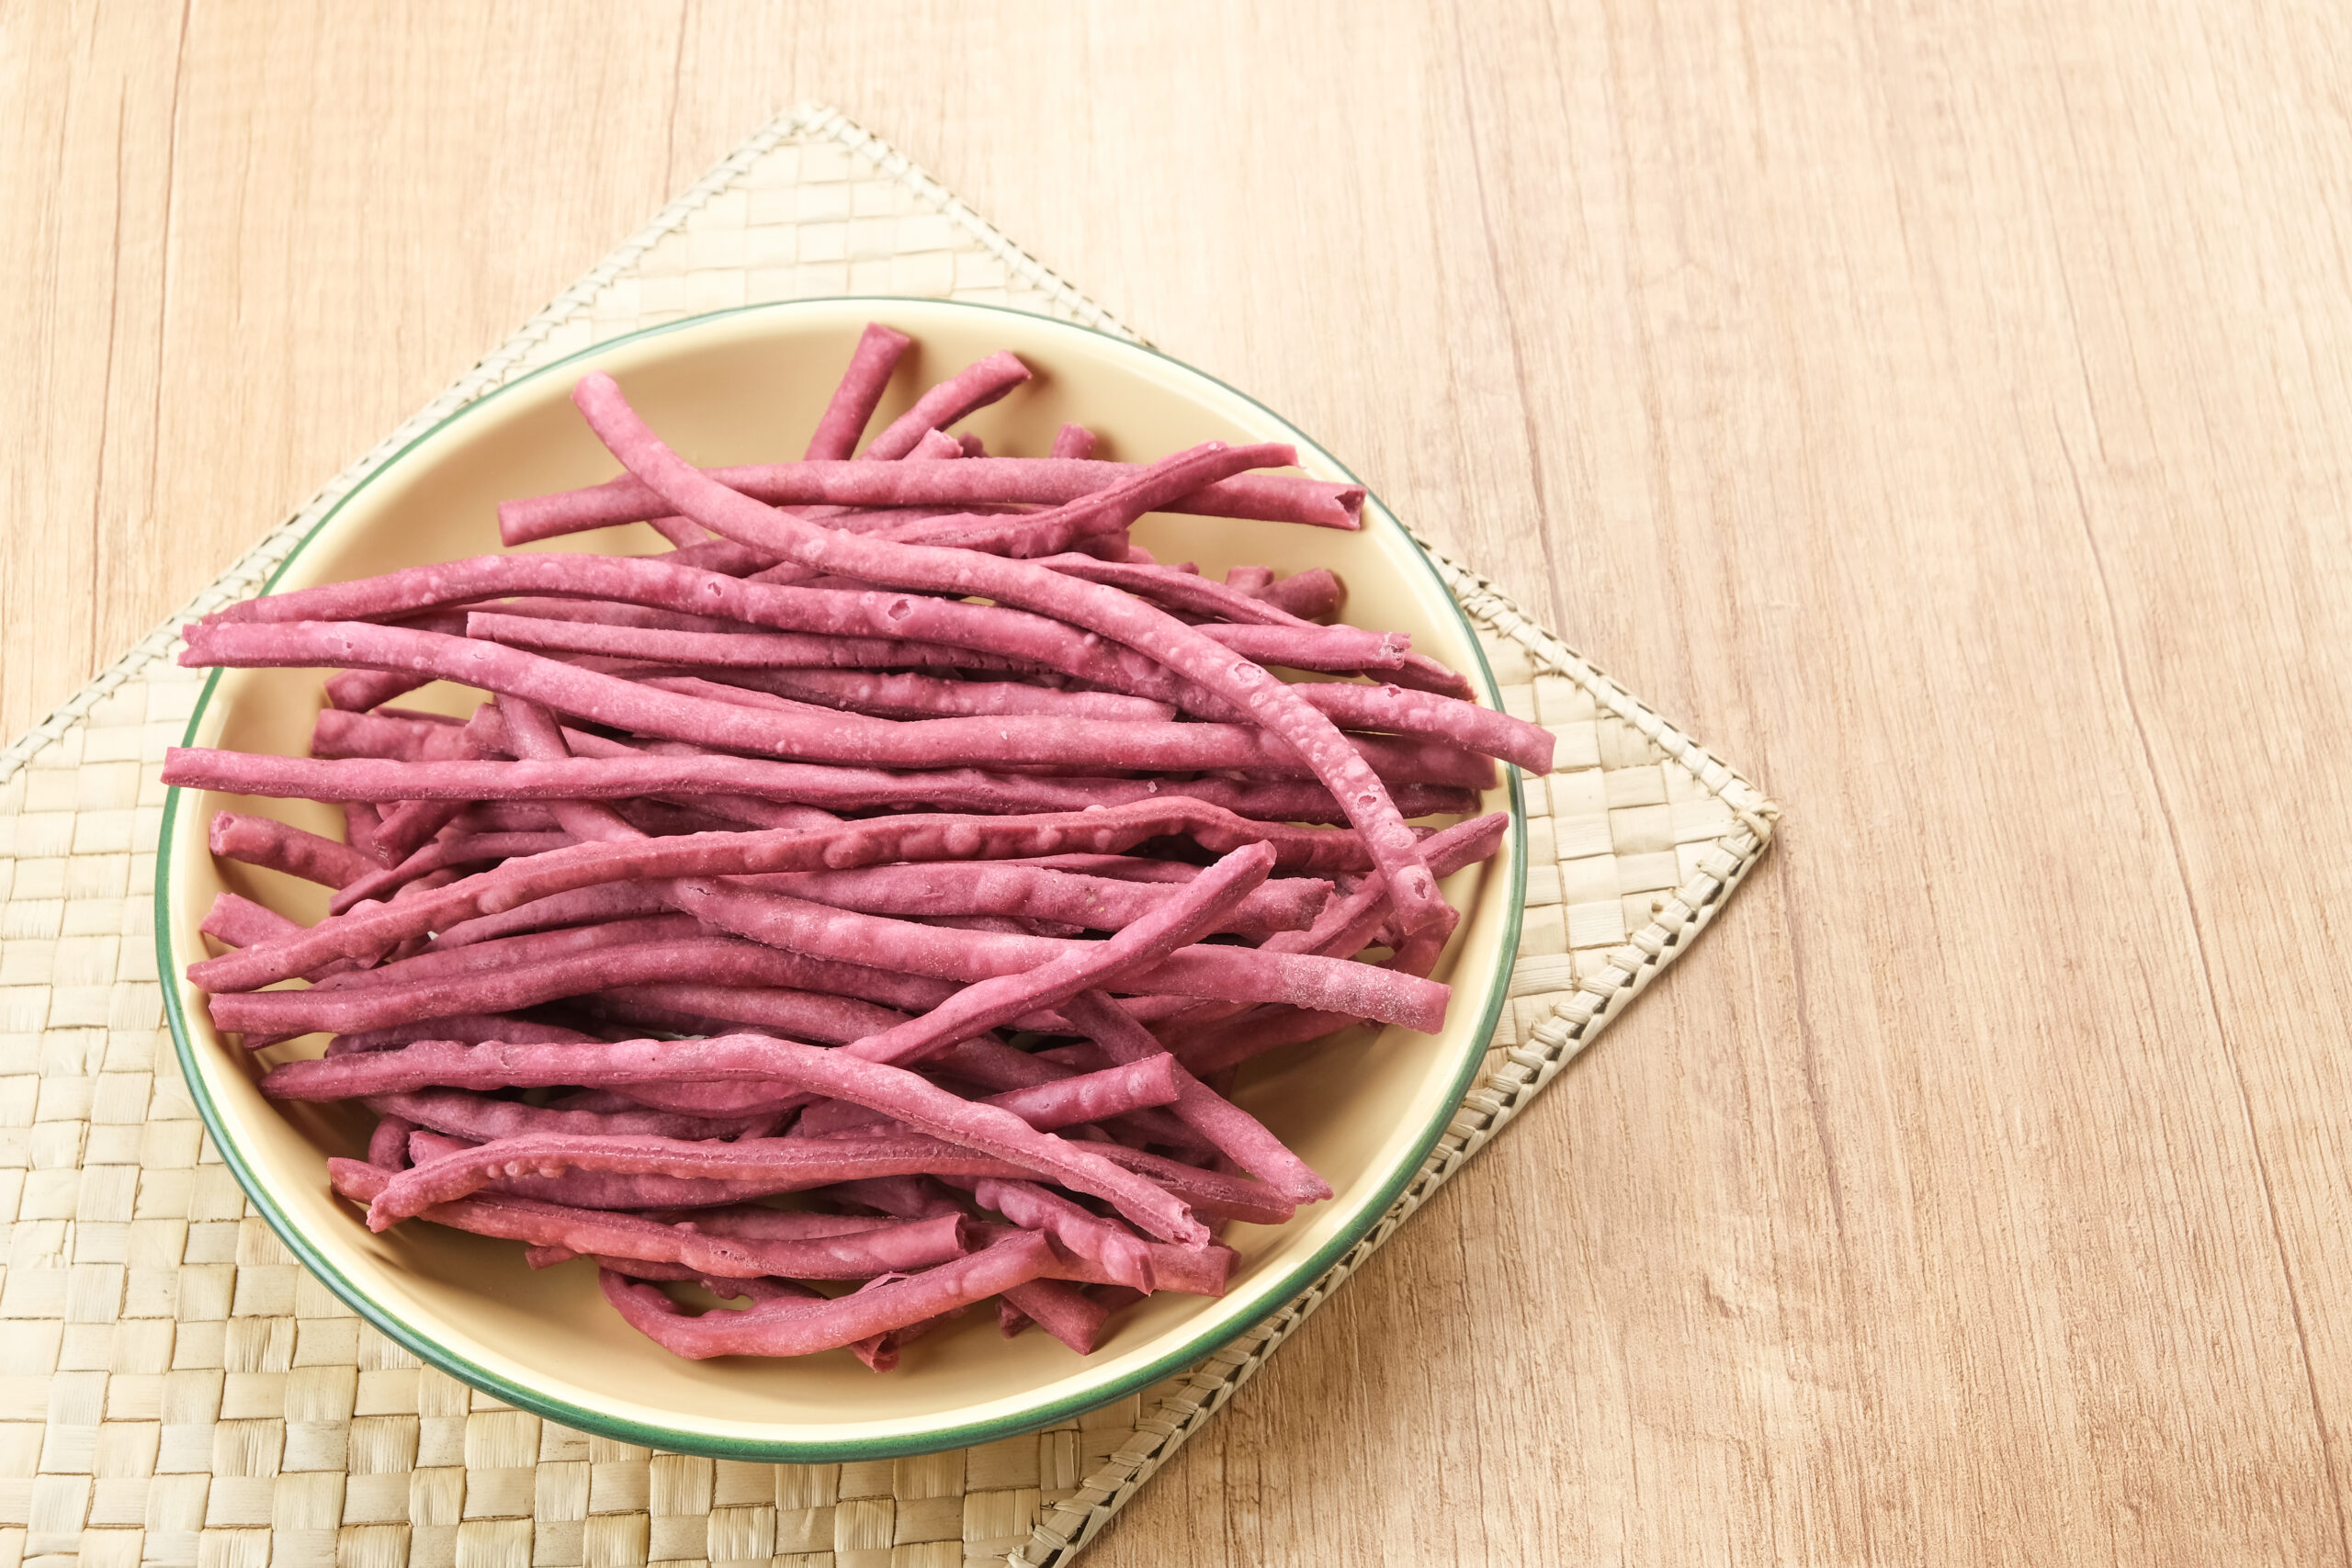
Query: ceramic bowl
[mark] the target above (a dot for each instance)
(1362, 1107)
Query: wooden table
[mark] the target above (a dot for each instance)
(1945, 413)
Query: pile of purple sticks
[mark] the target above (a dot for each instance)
(906, 839)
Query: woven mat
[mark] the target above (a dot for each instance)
(174, 1389)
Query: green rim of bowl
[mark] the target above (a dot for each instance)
(946, 1436)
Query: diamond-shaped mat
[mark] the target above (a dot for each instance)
(174, 1389)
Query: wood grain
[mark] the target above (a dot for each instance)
(1943, 408)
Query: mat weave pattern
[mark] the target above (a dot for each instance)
(174, 1389)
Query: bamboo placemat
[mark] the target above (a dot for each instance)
(175, 1390)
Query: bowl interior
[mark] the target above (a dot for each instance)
(1361, 1107)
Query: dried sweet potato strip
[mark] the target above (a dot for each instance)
(925, 696)
(1271, 498)
(1066, 1313)
(628, 774)
(786, 1327)
(238, 922)
(982, 1130)
(465, 1029)
(1315, 594)
(462, 1113)
(855, 1256)
(395, 737)
(1093, 903)
(878, 351)
(974, 387)
(838, 1015)
(280, 846)
(387, 1144)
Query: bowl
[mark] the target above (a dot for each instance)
(1363, 1107)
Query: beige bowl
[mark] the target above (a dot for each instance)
(1363, 1107)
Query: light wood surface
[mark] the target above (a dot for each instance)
(1941, 409)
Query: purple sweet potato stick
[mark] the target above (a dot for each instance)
(786, 1327)
(974, 481)
(1092, 902)
(905, 1095)
(1211, 1194)
(1091, 1096)
(581, 907)
(394, 738)
(534, 947)
(927, 696)
(459, 1114)
(1064, 1310)
(601, 1189)
(855, 400)
(706, 961)
(1330, 650)
(857, 1256)
(387, 1144)
(607, 611)
(799, 1014)
(1074, 441)
(238, 922)
(604, 1174)
(755, 1223)
(265, 842)
(974, 387)
(465, 1029)
(774, 1165)
(625, 774)
(937, 446)
(994, 1065)
(1315, 594)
